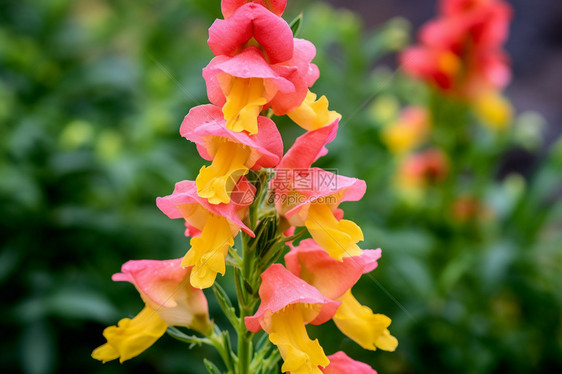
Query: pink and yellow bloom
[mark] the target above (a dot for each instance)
(334, 279)
(233, 153)
(259, 65)
(287, 305)
(169, 301)
(310, 196)
(218, 224)
(423, 168)
(247, 83)
(408, 132)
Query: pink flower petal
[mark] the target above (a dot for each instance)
(303, 77)
(326, 184)
(309, 147)
(164, 285)
(149, 276)
(228, 7)
(227, 37)
(423, 63)
(191, 231)
(286, 83)
(250, 63)
(342, 363)
(330, 276)
(284, 102)
(280, 288)
(205, 121)
(185, 192)
(305, 52)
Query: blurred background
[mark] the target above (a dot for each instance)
(92, 94)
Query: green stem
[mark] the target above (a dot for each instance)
(217, 341)
(244, 337)
(245, 288)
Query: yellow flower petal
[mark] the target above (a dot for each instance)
(338, 238)
(494, 110)
(360, 324)
(217, 181)
(287, 331)
(208, 251)
(244, 103)
(313, 114)
(409, 131)
(131, 337)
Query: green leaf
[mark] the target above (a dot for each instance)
(225, 304)
(80, 303)
(191, 339)
(228, 347)
(296, 25)
(211, 368)
(262, 341)
(38, 353)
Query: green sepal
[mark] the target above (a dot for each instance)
(296, 24)
(211, 368)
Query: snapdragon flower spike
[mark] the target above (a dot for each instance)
(310, 196)
(169, 301)
(342, 363)
(232, 153)
(246, 84)
(287, 305)
(219, 224)
(334, 280)
(277, 7)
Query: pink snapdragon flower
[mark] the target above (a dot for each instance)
(218, 224)
(287, 305)
(334, 279)
(247, 83)
(252, 22)
(169, 301)
(310, 197)
(233, 153)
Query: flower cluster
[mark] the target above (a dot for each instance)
(460, 54)
(251, 189)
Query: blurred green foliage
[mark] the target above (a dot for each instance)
(92, 93)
